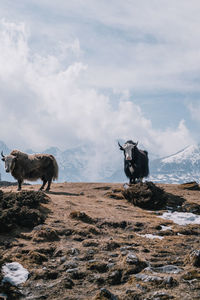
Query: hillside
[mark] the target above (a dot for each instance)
(92, 243)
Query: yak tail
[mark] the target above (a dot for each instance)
(55, 174)
(146, 172)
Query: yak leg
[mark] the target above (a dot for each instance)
(19, 184)
(44, 182)
(49, 185)
(132, 181)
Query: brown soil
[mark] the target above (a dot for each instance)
(89, 242)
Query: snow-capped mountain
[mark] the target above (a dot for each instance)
(181, 167)
(89, 163)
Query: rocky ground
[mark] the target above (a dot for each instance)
(100, 241)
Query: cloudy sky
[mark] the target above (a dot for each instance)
(73, 72)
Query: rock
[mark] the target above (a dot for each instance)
(157, 280)
(160, 296)
(149, 278)
(73, 251)
(70, 265)
(170, 269)
(133, 264)
(170, 282)
(63, 259)
(132, 259)
(105, 294)
(72, 270)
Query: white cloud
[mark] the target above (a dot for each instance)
(127, 44)
(194, 109)
(46, 102)
(137, 44)
(172, 140)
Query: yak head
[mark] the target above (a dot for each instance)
(128, 149)
(9, 162)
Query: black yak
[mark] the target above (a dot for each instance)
(136, 162)
(31, 167)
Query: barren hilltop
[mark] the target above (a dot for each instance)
(101, 241)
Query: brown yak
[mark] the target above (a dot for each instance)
(31, 167)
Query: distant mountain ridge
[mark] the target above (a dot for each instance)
(181, 167)
(84, 164)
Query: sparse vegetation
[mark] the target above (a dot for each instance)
(79, 243)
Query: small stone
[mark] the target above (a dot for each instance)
(131, 259)
(170, 269)
(161, 296)
(63, 259)
(74, 251)
(72, 270)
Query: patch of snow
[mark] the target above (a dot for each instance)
(151, 236)
(163, 227)
(14, 273)
(181, 218)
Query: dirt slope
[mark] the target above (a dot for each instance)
(92, 246)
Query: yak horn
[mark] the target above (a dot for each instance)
(121, 148)
(2, 154)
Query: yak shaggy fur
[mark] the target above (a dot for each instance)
(34, 166)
